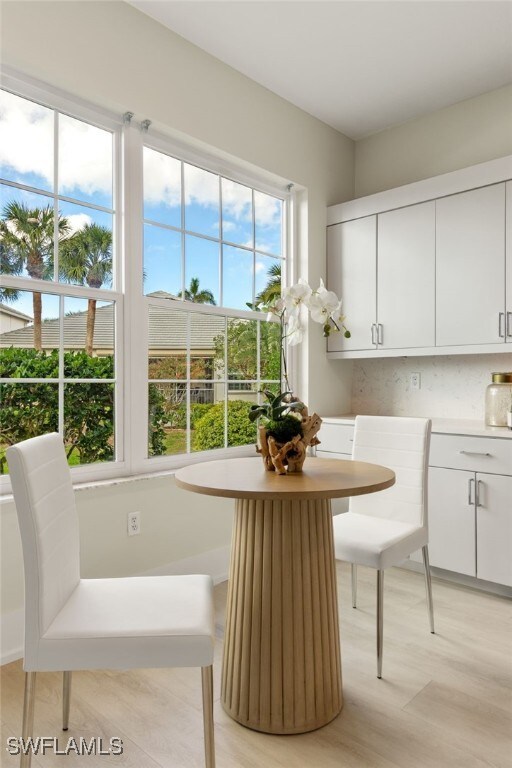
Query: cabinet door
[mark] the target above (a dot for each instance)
(508, 269)
(406, 263)
(352, 275)
(451, 520)
(470, 267)
(494, 528)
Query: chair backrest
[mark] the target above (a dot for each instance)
(402, 444)
(45, 503)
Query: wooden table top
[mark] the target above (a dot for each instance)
(246, 478)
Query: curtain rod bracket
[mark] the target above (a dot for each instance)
(145, 125)
(127, 118)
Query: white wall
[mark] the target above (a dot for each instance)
(112, 55)
(466, 133)
(451, 387)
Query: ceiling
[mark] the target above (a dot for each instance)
(360, 66)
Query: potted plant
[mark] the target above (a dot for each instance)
(285, 427)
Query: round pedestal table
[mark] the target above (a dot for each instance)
(281, 668)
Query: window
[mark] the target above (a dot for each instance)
(58, 312)
(214, 242)
(140, 355)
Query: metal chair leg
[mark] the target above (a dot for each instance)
(354, 584)
(380, 620)
(209, 742)
(428, 585)
(66, 699)
(28, 716)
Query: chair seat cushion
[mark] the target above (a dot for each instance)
(136, 621)
(374, 541)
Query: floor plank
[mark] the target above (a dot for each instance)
(445, 700)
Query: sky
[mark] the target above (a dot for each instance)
(85, 172)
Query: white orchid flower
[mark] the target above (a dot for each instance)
(276, 309)
(294, 331)
(322, 304)
(296, 296)
(337, 316)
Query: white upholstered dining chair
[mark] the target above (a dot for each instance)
(113, 623)
(382, 529)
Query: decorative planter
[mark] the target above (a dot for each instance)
(290, 456)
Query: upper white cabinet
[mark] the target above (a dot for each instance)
(470, 267)
(352, 275)
(406, 252)
(426, 268)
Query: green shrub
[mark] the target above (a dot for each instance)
(209, 429)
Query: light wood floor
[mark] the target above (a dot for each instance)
(445, 700)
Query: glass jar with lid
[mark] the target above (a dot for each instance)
(498, 399)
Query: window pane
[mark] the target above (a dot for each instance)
(167, 333)
(26, 142)
(237, 224)
(242, 341)
(28, 410)
(207, 346)
(85, 255)
(268, 213)
(241, 431)
(201, 270)
(268, 279)
(29, 349)
(207, 416)
(162, 262)
(25, 215)
(88, 339)
(85, 162)
(237, 270)
(167, 419)
(89, 423)
(202, 209)
(162, 188)
(270, 351)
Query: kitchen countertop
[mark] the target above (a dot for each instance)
(444, 426)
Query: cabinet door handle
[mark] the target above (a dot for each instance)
(509, 324)
(501, 325)
(373, 334)
(477, 498)
(475, 453)
(380, 334)
(471, 485)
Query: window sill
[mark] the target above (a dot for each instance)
(152, 474)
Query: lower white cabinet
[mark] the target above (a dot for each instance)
(451, 520)
(469, 500)
(494, 528)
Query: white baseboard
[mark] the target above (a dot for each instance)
(215, 563)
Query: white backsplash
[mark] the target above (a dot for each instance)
(451, 387)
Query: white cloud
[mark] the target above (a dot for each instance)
(26, 136)
(26, 144)
(78, 221)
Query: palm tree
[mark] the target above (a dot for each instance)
(192, 293)
(272, 290)
(26, 242)
(86, 258)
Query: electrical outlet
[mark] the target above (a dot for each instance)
(133, 523)
(415, 381)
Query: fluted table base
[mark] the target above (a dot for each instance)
(281, 669)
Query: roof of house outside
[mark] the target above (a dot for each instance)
(7, 310)
(167, 330)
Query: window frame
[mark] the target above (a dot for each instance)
(131, 306)
(233, 172)
(56, 101)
